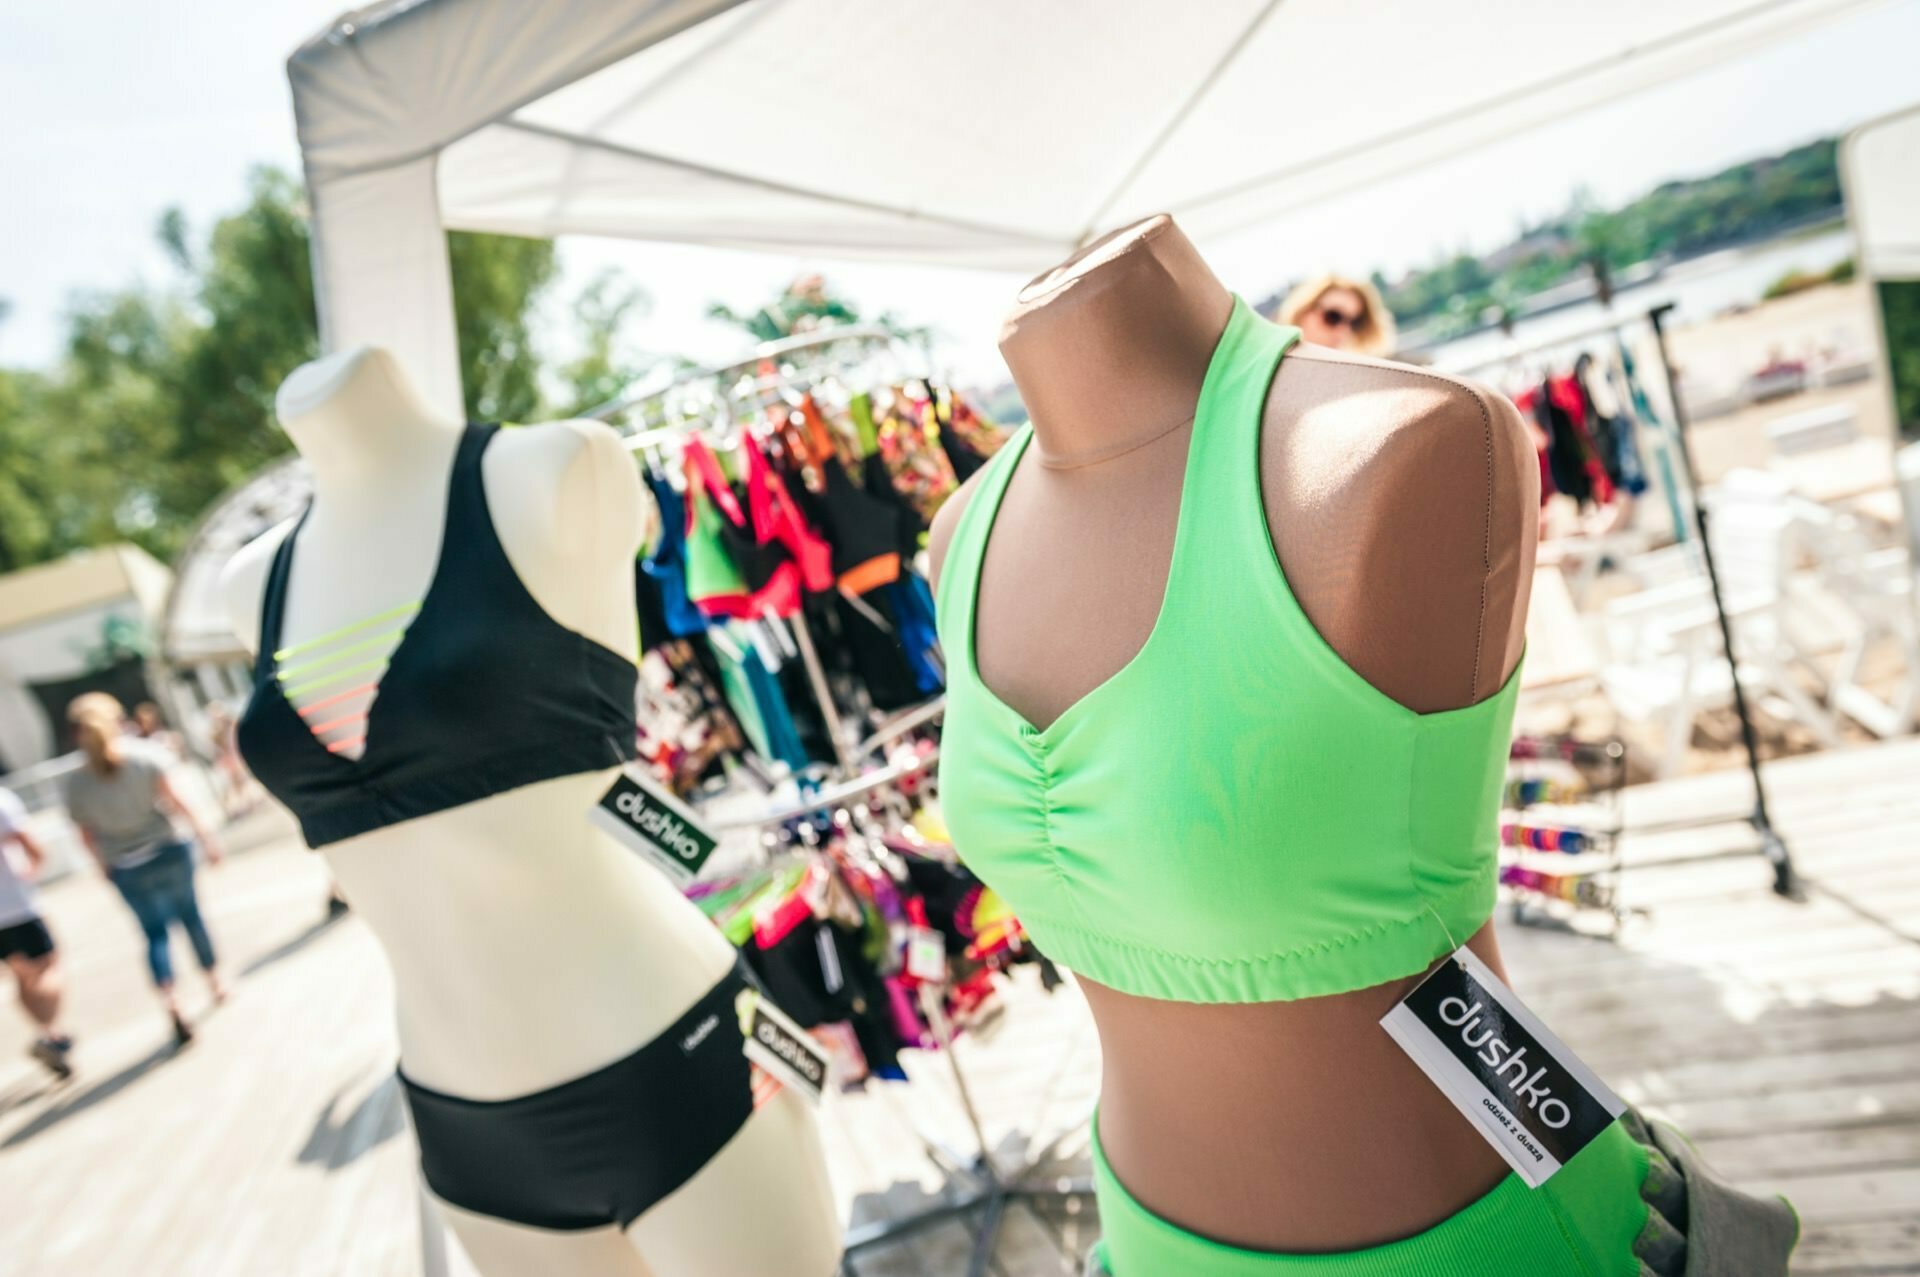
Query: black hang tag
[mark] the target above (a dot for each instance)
(1533, 1099)
(643, 816)
(781, 1047)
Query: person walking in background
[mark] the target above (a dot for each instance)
(1346, 314)
(25, 943)
(151, 726)
(239, 792)
(125, 808)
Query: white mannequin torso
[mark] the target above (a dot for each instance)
(488, 911)
(527, 948)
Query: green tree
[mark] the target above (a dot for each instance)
(805, 304)
(252, 294)
(604, 367)
(1601, 240)
(26, 514)
(1900, 313)
(1744, 202)
(496, 281)
(164, 398)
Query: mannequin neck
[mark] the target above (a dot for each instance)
(361, 427)
(1110, 348)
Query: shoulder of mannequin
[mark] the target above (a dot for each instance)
(244, 580)
(587, 471)
(1431, 415)
(945, 520)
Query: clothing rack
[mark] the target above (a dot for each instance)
(900, 724)
(819, 338)
(1771, 844)
(977, 1188)
(835, 796)
(721, 380)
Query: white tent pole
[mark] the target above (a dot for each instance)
(381, 275)
(372, 124)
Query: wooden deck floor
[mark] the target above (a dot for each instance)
(1784, 1037)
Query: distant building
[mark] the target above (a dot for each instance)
(79, 624)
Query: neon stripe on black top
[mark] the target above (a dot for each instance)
(486, 692)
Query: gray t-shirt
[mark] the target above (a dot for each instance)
(122, 811)
(16, 893)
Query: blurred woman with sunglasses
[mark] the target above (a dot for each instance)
(1347, 314)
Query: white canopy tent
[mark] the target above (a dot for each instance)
(995, 133)
(1882, 171)
(1880, 165)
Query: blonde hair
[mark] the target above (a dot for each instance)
(1376, 333)
(98, 721)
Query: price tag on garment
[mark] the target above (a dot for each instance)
(926, 955)
(1532, 1098)
(640, 814)
(831, 973)
(781, 1047)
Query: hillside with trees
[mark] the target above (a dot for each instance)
(1751, 201)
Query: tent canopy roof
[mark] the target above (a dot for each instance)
(989, 133)
(994, 133)
(1882, 168)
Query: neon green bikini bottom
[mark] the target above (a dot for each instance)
(1581, 1223)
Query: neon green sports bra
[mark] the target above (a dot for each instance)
(1236, 815)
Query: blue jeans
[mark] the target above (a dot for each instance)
(160, 893)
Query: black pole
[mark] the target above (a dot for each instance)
(1771, 844)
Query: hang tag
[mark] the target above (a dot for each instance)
(830, 972)
(926, 955)
(781, 1047)
(1532, 1098)
(639, 814)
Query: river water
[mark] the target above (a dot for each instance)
(1700, 288)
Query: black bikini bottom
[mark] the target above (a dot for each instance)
(603, 1148)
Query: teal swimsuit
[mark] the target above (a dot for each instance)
(1238, 816)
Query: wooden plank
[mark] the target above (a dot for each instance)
(1784, 1038)
(1858, 1248)
(1762, 1075)
(1842, 1197)
(1623, 1040)
(1813, 1108)
(1821, 1150)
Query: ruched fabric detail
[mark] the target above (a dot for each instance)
(1236, 815)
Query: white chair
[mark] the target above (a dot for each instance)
(1814, 430)
(1877, 589)
(1666, 662)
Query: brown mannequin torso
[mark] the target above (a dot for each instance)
(1401, 504)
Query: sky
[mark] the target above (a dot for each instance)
(113, 110)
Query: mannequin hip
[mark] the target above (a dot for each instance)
(527, 948)
(1283, 1126)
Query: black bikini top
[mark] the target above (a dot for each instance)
(485, 692)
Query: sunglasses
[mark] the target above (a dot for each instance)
(1337, 319)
